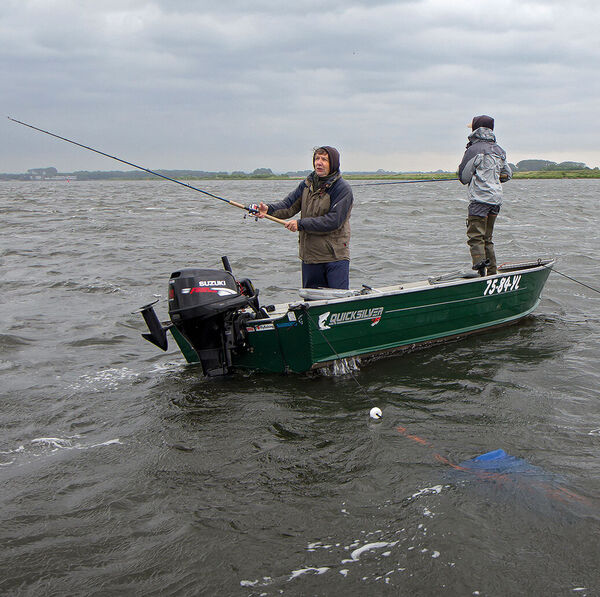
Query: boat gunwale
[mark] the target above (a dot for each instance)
(423, 286)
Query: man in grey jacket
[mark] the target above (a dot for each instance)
(484, 168)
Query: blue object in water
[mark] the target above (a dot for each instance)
(493, 455)
(498, 461)
(499, 469)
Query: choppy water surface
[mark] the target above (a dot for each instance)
(125, 472)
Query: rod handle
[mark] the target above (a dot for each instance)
(272, 218)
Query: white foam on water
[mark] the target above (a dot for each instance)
(57, 443)
(358, 551)
(42, 446)
(113, 378)
(360, 547)
(342, 367)
(296, 573)
(266, 580)
(428, 491)
(317, 545)
(106, 379)
(110, 442)
(15, 451)
(169, 367)
(67, 443)
(355, 555)
(248, 583)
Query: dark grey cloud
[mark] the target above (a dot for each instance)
(238, 85)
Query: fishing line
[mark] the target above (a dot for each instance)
(573, 279)
(153, 172)
(362, 388)
(369, 184)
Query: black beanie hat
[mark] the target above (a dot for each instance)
(486, 121)
(334, 157)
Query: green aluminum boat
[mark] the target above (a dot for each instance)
(217, 320)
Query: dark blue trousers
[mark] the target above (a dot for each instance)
(335, 274)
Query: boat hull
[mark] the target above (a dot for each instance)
(315, 334)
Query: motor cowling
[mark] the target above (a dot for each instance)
(205, 305)
(200, 293)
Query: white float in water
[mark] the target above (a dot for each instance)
(375, 413)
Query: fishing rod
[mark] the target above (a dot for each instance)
(183, 184)
(369, 184)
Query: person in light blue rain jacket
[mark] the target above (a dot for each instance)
(484, 168)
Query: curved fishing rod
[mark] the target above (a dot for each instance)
(112, 157)
(370, 184)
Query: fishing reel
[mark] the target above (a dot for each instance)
(252, 211)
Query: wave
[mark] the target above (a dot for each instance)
(10, 342)
(40, 447)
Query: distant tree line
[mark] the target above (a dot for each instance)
(548, 166)
(524, 166)
(53, 174)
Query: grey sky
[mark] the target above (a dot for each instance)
(241, 85)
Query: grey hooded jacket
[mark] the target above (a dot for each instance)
(483, 163)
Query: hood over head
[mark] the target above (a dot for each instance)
(481, 134)
(334, 157)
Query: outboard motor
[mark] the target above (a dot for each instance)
(206, 308)
(204, 305)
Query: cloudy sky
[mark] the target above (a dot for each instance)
(238, 85)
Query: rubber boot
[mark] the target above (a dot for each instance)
(489, 245)
(476, 238)
(480, 266)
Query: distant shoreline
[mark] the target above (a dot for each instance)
(451, 176)
(134, 175)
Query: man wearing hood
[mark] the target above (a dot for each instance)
(324, 201)
(483, 168)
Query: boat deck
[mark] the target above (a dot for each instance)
(281, 309)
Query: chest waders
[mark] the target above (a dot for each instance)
(479, 234)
